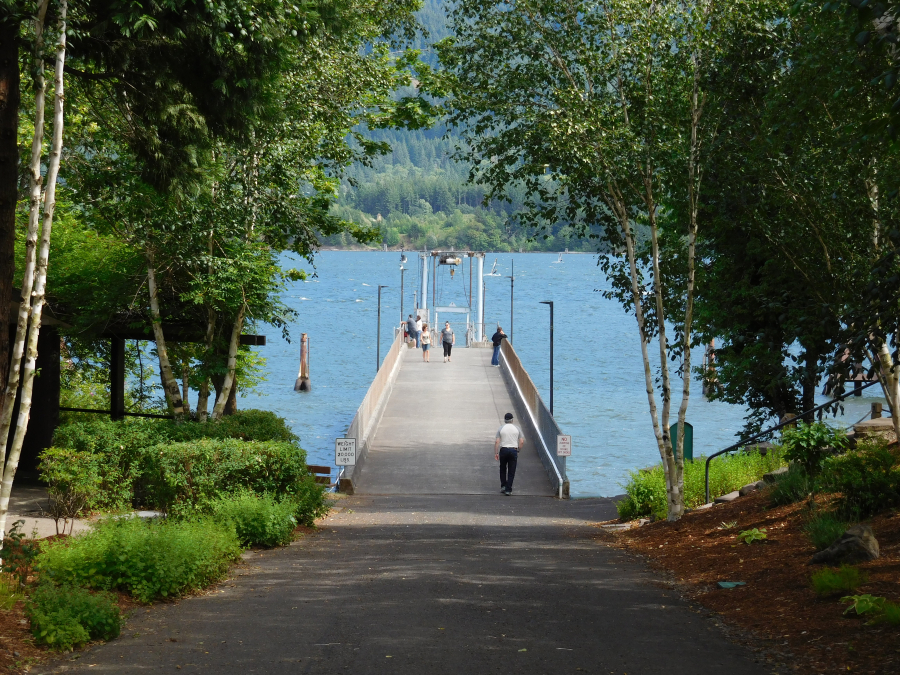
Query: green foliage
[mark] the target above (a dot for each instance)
(148, 559)
(824, 528)
(309, 501)
(867, 478)
(792, 486)
(727, 525)
(864, 604)
(19, 554)
(258, 520)
(65, 617)
(74, 483)
(750, 536)
(831, 582)
(185, 478)
(811, 444)
(646, 490)
(891, 613)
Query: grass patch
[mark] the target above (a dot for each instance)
(824, 528)
(646, 489)
(793, 486)
(65, 617)
(846, 579)
(150, 560)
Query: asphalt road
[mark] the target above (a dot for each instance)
(428, 585)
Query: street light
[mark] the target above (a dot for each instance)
(512, 287)
(550, 302)
(402, 272)
(378, 337)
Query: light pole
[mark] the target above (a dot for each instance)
(378, 336)
(402, 272)
(512, 288)
(550, 302)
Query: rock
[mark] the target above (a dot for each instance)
(882, 427)
(643, 521)
(747, 489)
(772, 476)
(704, 506)
(857, 544)
(730, 497)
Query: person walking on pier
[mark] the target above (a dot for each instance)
(426, 343)
(497, 338)
(448, 339)
(506, 448)
(418, 330)
(411, 329)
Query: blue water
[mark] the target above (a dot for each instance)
(599, 391)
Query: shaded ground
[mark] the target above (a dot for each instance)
(432, 584)
(777, 603)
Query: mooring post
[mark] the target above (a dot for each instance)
(303, 383)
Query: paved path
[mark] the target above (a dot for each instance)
(428, 585)
(437, 432)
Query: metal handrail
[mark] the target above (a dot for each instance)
(766, 432)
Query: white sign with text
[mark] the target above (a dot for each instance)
(563, 446)
(345, 452)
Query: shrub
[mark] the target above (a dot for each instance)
(891, 614)
(148, 559)
(831, 582)
(868, 480)
(811, 444)
(74, 483)
(823, 529)
(185, 478)
(19, 554)
(792, 486)
(309, 501)
(646, 489)
(257, 520)
(63, 617)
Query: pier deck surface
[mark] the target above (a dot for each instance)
(431, 585)
(436, 435)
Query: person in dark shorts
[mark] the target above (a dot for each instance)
(411, 329)
(497, 338)
(448, 339)
(506, 449)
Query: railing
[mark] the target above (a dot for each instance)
(536, 417)
(364, 423)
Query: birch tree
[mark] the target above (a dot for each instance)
(601, 111)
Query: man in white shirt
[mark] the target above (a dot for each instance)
(418, 331)
(506, 448)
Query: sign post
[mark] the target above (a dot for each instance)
(345, 452)
(563, 446)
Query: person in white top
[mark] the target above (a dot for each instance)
(418, 330)
(506, 449)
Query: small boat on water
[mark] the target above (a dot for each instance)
(493, 272)
(560, 259)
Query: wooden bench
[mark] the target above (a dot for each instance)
(322, 473)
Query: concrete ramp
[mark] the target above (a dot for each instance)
(436, 433)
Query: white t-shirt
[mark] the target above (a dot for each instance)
(509, 435)
(419, 325)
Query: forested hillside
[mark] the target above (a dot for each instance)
(420, 197)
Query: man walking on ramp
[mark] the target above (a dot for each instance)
(506, 448)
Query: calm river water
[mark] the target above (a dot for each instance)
(599, 394)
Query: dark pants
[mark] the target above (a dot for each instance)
(495, 359)
(418, 334)
(509, 457)
(447, 347)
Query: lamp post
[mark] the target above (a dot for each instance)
(512, 288)
(402, 272)
(378, 336)
(550, 302)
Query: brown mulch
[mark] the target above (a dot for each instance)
(777, 605)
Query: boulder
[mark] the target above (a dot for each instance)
(751, 487)
(730, 497)
(772, 476)
(856, 545)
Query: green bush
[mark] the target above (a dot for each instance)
(831, 582)
(793, 486)
(258, 520)
(811, 444)
(185, 478)
(824, 528)
(646, 489)
(309, 501)
(868, 480)
(74, 483)
(64, 617)
(148, 559)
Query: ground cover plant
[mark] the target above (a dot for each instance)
(65, 617)
(845, 579)
(792, 486)
(148, 559)
(258, 520)
(646, 489)
(823, 529)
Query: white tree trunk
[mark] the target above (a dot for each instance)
(11, 462)
(203, 396)
(169, 383)
(222, 400)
